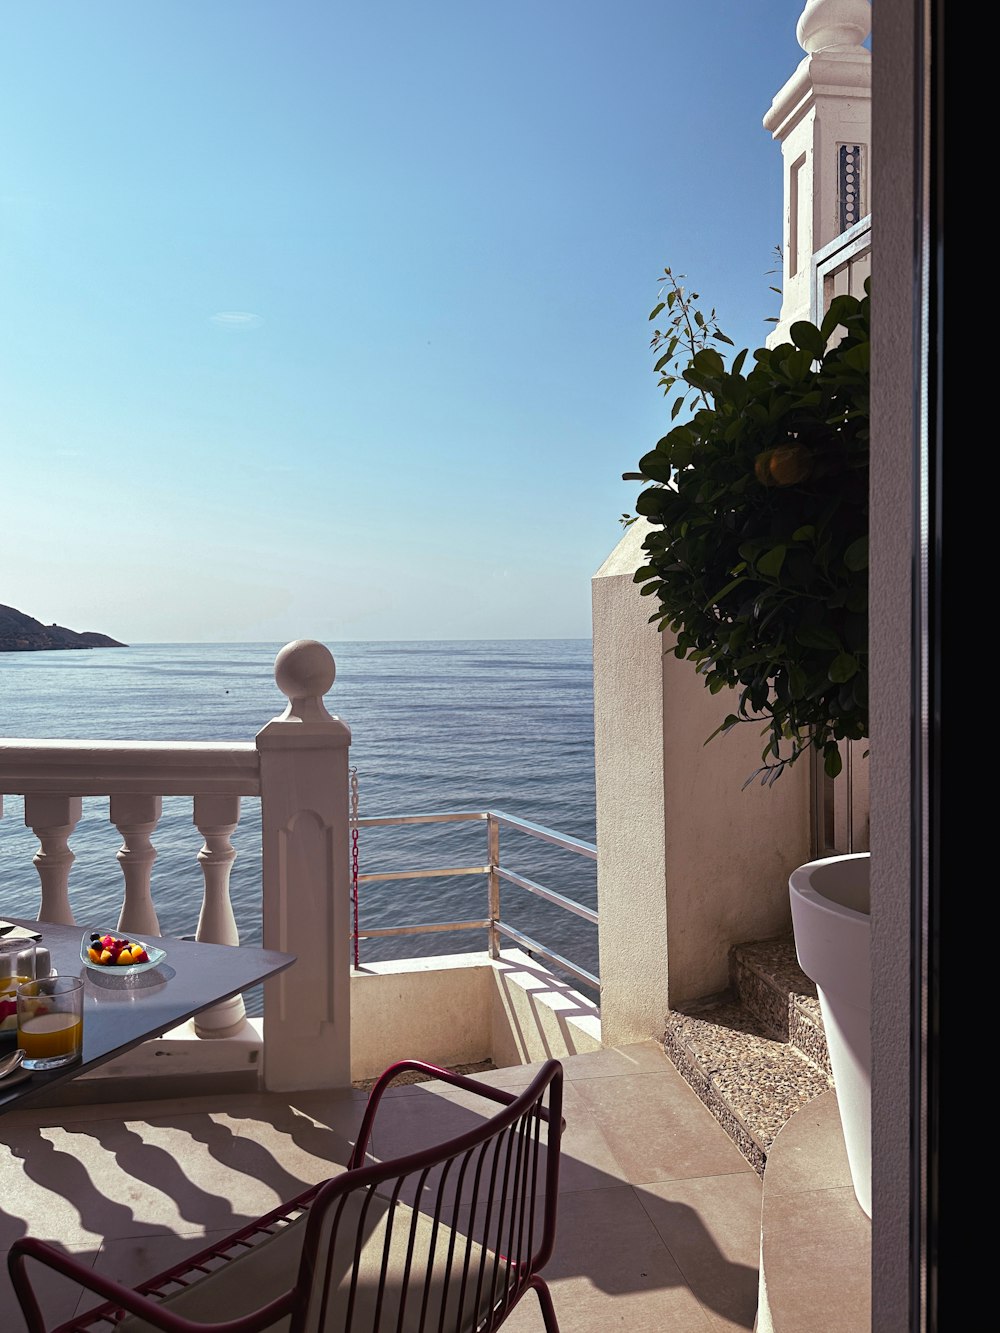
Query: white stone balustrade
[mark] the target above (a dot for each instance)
(298, 767)
(216, 818)
(136, 818)
(52, 819)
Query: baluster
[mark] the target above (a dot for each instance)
(136, 818)
(53, 819)
(216, 818)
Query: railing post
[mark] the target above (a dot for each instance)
(136, 816)
(493, 855)
(216, 818)
(306, 877)
(52, 819)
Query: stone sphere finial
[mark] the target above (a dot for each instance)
(303, 671)
(832, 23)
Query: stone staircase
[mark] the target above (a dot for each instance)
(756, 1053)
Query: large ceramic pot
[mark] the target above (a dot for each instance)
(831, 920)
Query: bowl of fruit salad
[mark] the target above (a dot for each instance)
(114, 952)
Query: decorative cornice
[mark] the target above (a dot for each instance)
(838, 72)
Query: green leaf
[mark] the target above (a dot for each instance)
(843, 667)
(808, 337)
(713, 601)
(656, 309)
(859, 357)
(832, 762)
(708, 362)
(726, 725)
(797, 682)
(770, 564)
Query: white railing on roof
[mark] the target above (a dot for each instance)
(298, 766)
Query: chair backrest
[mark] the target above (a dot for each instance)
(445, 1240)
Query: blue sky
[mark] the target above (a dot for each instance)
(327, 320)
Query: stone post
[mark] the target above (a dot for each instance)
(306, 877)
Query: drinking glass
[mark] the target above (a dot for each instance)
(17, 965)
(50, 1021)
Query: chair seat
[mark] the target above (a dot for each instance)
(271, 1267)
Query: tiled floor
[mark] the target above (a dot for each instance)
(659, 1215)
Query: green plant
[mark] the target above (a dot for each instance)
(758, 554)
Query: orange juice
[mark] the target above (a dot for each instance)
(48, 1035)
(9, 985)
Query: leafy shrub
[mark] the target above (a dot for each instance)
(758, 557)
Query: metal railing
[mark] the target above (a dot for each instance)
(495, 873)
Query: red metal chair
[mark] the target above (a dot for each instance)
(446, 1240)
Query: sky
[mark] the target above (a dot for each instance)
(327, 320)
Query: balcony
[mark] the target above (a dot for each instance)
(130, 1166)
(659, 1215)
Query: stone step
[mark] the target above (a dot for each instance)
(755, 1054)
(766, 978)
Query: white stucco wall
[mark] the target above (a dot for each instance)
(688, 862)
(631, 829)
(461, 1008)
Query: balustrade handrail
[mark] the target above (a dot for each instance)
(495, 873)
(104, 767)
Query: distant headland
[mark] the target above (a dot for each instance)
(23, 634)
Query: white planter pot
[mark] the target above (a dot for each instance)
(831, 920)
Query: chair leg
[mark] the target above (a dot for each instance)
(545, 1301)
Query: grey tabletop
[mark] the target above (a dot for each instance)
(121, 1011)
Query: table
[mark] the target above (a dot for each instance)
(121, 1012)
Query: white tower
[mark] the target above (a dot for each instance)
(822, 119)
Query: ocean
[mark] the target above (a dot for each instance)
(435, 726)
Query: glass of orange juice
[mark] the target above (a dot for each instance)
(50, 1021)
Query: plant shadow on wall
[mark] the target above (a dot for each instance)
(757, 556)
